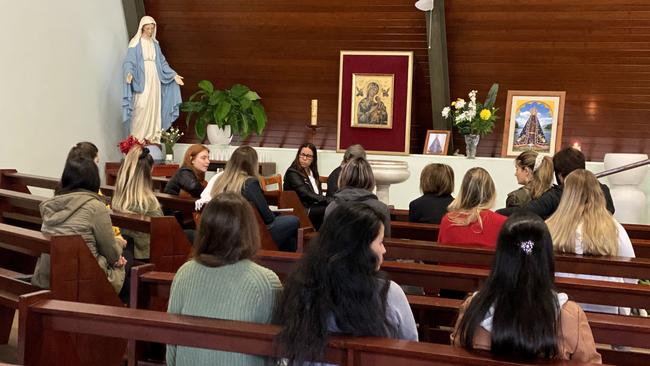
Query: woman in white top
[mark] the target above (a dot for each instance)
(582, 225)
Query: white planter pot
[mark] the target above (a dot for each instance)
(218, 136)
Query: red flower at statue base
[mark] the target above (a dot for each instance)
(126, 144)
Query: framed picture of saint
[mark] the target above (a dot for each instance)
(375, 90)
(437, 142)
(533, 121)
(372, 100)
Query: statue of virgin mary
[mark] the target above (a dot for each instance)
(151, 87)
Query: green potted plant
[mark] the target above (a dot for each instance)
(235, 110)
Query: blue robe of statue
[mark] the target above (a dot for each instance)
(170, 92)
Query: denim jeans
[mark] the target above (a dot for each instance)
(284, 230)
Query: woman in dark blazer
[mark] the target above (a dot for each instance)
(436, 184)
(303, 178)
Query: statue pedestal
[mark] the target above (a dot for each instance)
(625, 188)
(388, 172)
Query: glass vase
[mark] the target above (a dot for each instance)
(169, 153)
(471, 143)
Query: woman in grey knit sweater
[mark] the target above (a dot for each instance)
(220, 281)
(337, 288)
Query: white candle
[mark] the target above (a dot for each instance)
(314, 112)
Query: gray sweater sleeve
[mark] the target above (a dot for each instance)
(399, 313)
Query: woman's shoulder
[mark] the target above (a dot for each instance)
(571, 310)
(521, 195)
(94, 202)
(497, 217)
(263, 276)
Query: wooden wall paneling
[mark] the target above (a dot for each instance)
(287, 50)
(597, 51)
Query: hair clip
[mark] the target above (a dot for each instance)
(527, 246)
(144, 153)
(538, 162)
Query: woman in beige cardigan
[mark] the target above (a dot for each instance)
(517, 313)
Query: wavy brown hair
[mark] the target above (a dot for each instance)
(228, 232)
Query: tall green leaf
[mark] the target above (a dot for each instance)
(206, 86)
(246, 122)
(251, 95)
(238, 90)
(260, 116)
(222, 110)
(216, 97)
(492, 96)
(201, 125)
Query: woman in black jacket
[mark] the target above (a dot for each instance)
(189, 180)
(302, 177)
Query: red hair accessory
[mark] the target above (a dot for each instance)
(128, 143)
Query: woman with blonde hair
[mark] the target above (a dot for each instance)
(534, 172)
(241, 176)
(134, 194)
(189, 179)
(583, 225)
(470, 220)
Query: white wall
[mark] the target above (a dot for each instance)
(60, 72)
(502, 170)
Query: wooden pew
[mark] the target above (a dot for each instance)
(10, 179)
(150, 290)
(634, 231)
(413, 230)
(429, 232)
(454, 278)
(432, 252)
(40, 318)
(169, 246)
(74, 276)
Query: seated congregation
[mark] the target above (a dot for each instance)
(338, 285)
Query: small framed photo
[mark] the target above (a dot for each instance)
(533, 122)
(437, 142)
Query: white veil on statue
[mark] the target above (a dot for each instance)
(144, 21)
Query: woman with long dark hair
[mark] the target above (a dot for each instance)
(518, 313)
(303, 178)
(337, 288)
